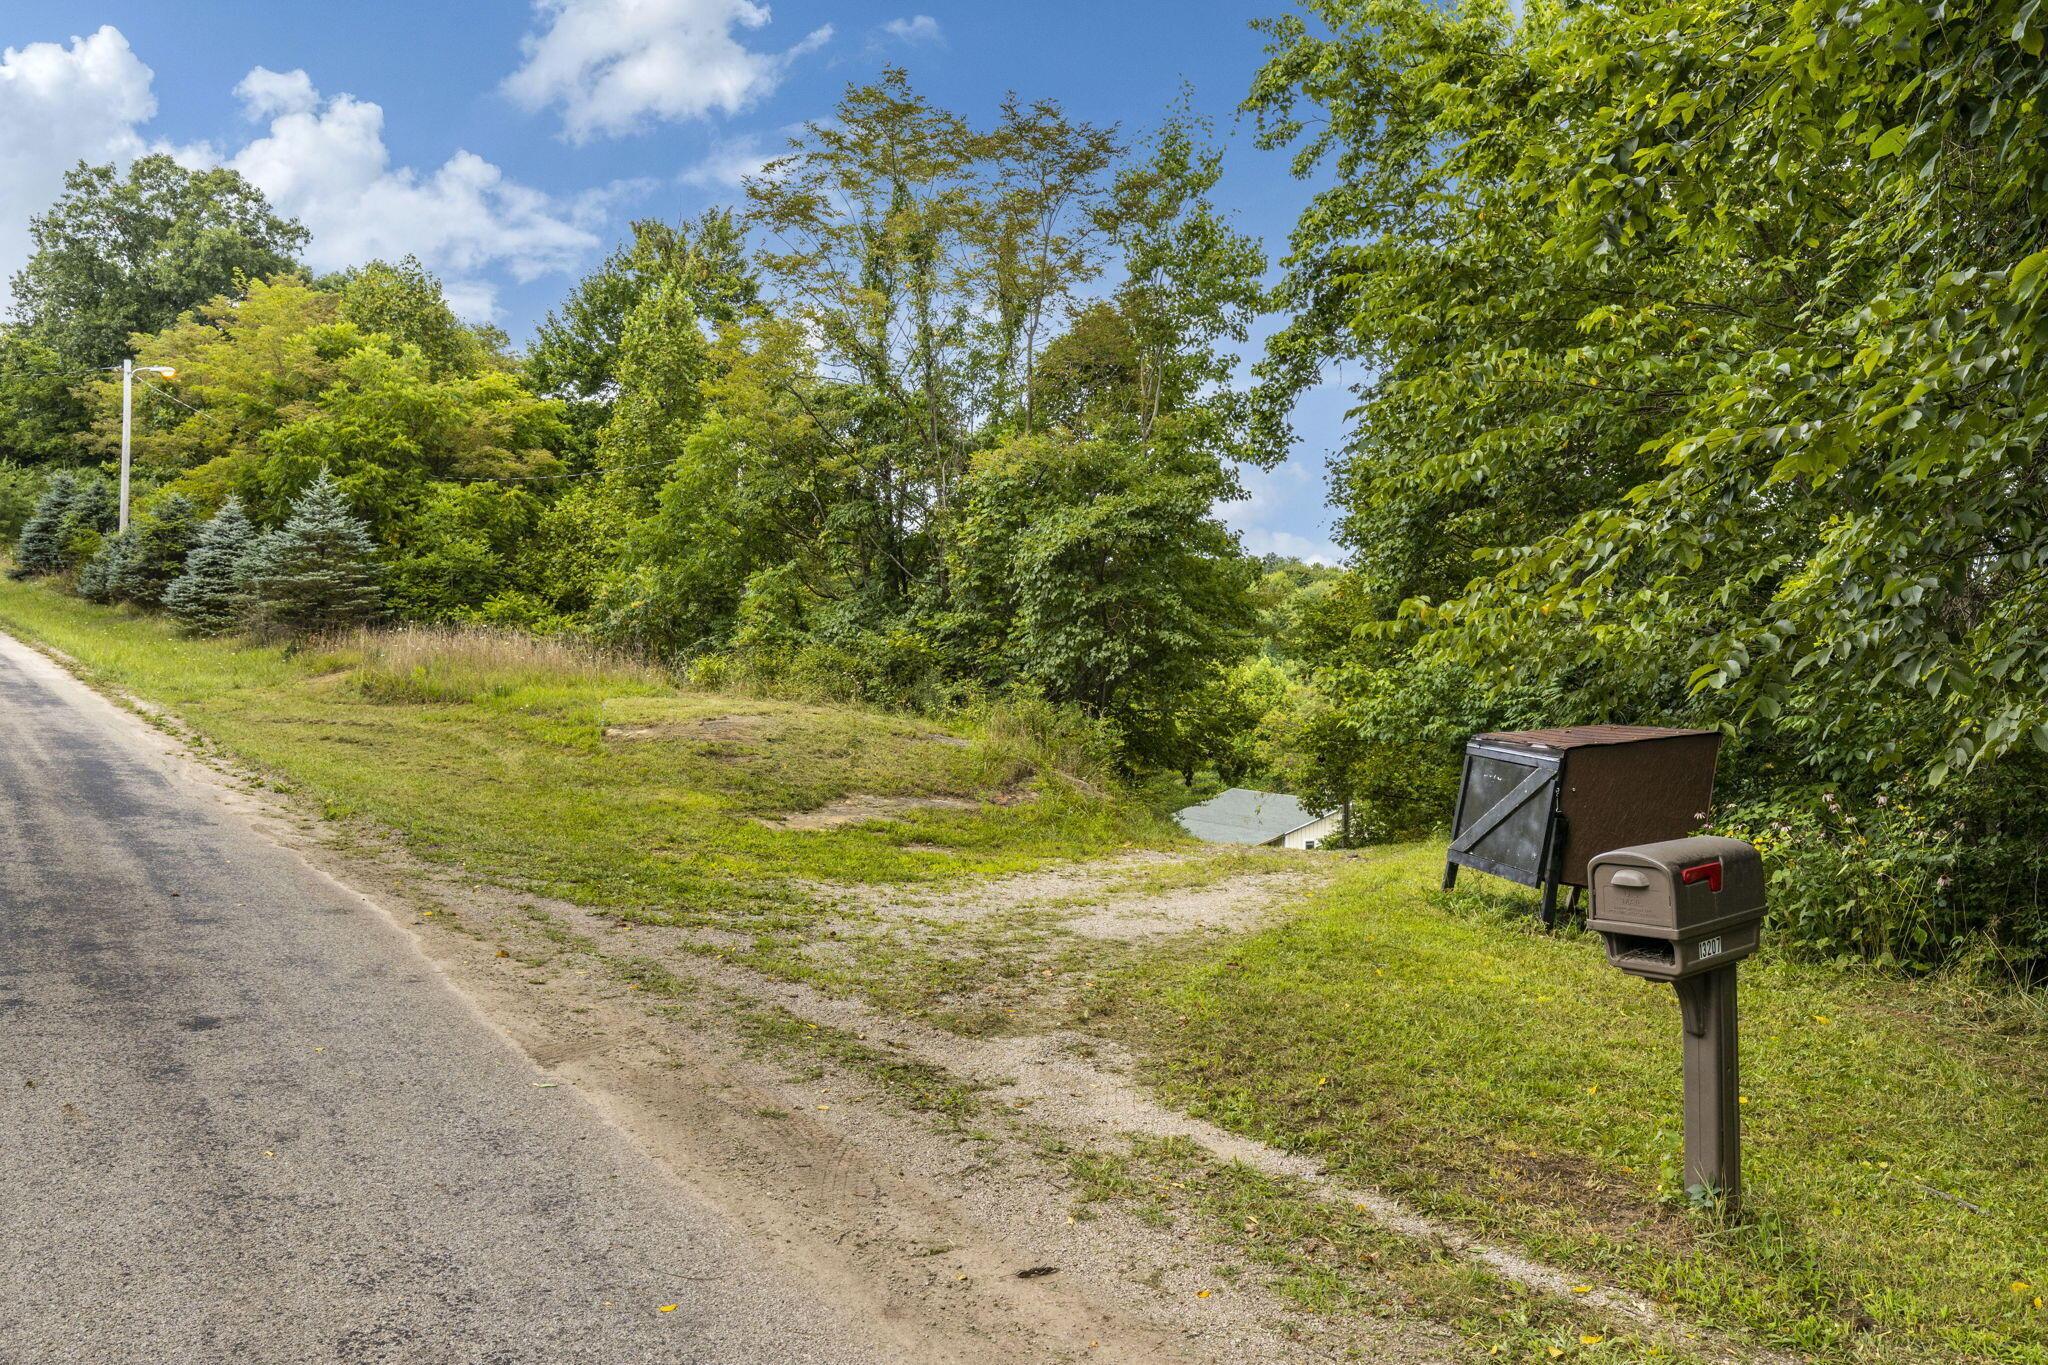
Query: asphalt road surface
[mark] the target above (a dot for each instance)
(243, 1120)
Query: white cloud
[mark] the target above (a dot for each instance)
(1260, 540)
(265, 93)
(325, 163)
(614, 66)
(60, 105)
(728, 165)
(1281, 504)
(918, 28)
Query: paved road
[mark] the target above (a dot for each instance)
(242, 1120)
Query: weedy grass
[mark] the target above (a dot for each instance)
(596, 779)
(1442, 1047)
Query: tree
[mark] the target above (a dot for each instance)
(66, 529)
(208, 595)
(275, 386)
(155, 550)
(99, 576)
(1095, 571)
(1702, 348)
(41, 414)
(576, 355)
(40, 547)
(118, 255)
(405, 302)
(316, 572)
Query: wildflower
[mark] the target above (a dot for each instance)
(1881, 799)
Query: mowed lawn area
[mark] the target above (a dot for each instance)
(1441, 1046)
(601, 783)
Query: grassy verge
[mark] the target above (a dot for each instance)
(601, 783)
(1896, 1133)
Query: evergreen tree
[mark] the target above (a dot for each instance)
(208, 596)
(39, 550)
(101, 576)
(91, 512)
(155, 552)
(316, 572)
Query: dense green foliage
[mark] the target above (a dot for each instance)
(1703, 345)
(121, 254)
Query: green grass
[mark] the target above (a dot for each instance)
(1441, 1047)
(593, 781)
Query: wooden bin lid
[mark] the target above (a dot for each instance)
(1586, 736)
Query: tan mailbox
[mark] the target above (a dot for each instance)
(1686, 911)
(1679, 908)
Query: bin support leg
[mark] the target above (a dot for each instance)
(1713, 1105)
(1450, 875)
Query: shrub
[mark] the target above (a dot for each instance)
(316, 572)
(1874, 882)
(207, 596)
(1028, 734)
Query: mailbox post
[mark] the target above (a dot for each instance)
(1686, 911)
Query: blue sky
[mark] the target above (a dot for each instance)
(508, 142)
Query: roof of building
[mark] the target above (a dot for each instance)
(1243, 816)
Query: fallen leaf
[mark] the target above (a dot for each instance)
(503, 953)
(666, 1308)
(1038, 1272)
(2020, 1286)
(1201, 1293)
(1582, 1289)
(1589, 1339)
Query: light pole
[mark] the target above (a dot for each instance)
(128, 370)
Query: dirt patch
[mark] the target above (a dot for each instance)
(859, 810)
(1106, 900)
(710, 728)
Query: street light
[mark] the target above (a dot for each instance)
(128, 372)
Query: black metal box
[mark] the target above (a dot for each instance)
(1535, 806)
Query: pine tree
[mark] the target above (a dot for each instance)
(316, 572)
(100, 577)
(39, 550)
(162, 538)
(208, 596)
(91, 512)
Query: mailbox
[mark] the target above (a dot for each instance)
(1679, 908)
(1686, 911)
